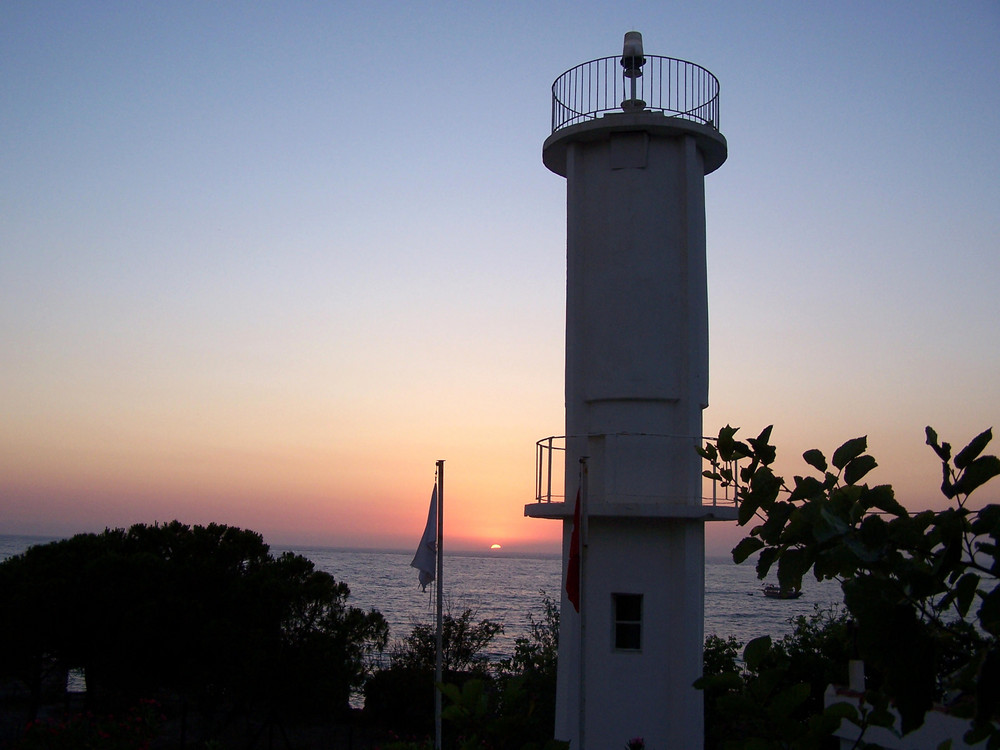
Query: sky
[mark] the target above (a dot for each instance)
(264, 263)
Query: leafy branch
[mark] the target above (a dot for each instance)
(911, 581)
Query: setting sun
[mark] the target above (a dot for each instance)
(495, 546)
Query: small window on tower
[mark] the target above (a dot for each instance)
(628, 621)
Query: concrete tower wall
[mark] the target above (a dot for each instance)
(637, 314)
(636, 385)
(645, 693)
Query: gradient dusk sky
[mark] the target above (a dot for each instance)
(264, 263)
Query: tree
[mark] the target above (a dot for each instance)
(205, 611)
(323, 646)
(535, 654)
(402, 696)
(462, 642)
(773, 697)
(517, 710)
(527, 701)
(509, 704)
(914, 583)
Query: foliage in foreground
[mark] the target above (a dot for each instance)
(463, 644)
(920, 588)
(528, 697)
(480, 724)
(401, 696)
(507, 705)
(770, 694)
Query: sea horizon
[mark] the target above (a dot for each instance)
(511, 588)
(283, 546)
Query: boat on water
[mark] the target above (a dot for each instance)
(776, 592)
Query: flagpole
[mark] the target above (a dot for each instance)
(439, 634)
(584, 489)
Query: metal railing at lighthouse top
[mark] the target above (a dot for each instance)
(550, 464)
(677, 88)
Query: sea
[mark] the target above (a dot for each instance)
(512, 589)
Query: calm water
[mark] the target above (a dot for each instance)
(509, 588)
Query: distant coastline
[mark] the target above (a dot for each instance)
(304, 550)
(15, 544)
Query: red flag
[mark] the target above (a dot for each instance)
(573, 565)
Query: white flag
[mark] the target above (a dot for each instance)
(426, 557)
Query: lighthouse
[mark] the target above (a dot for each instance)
(634, 135)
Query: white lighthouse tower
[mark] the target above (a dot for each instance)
(634, 136)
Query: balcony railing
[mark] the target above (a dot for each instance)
(550, 465)
(677, 88)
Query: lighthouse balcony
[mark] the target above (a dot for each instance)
(628, 474)
(664, 97)
(676, 88)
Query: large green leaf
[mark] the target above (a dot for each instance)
(792, 565)
(976, 474)
(828, 525)
(746, 547)
(450, 691)
(947, 488)
(943, 451)
(756, 651)
(849, 450)
(971, 452)
(989, 612)
(987, 521)
(815, 458)
(883, 497)
(730, 449)
(766, 560)
(993, 551)
(763, 450)
(748, 507)
(806, 488)
(771, 530)
(965, 592)
(857, 468)
(764, 487)
(798, 530)
(868, 545)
